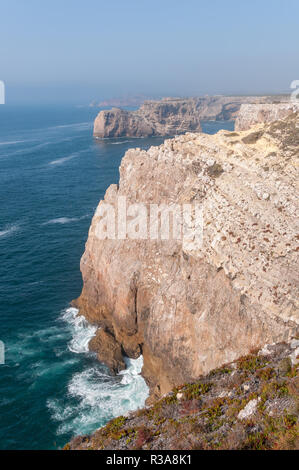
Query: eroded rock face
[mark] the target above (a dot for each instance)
(191, 307)
(228, 409)
(166, 117)
(169, 116)
(108, 350)
(252, 114)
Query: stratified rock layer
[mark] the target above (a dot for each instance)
(191, 307)
(169, 116)
(252, 114)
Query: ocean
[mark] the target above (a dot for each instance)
(52, 176)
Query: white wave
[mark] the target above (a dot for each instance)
(94, 396)
(79, 125)
(65, 220)
(62, 160)
(25, 151)
(15, 142)
(98, 398)
(61, 220)
(134, 367)
(81, 330)
(121, 142)
(9, 230)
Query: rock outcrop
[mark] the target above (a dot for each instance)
(192, 305)
(108, 350)
(252, 114)
(169, 116)
(249, 404)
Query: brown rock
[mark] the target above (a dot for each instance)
(108, 350)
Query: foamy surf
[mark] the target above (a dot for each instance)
(62, 160)
(95, 396)
(16, 142)
(27, 150)
(65, 220)
(98, 397)
(78, 126)
(61, 220)
(81, 330)
(121, 142)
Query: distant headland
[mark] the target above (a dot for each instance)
(171, 116)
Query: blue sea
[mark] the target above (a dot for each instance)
(52, 176)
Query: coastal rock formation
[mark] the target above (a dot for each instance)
(249, 404)
(190, 305)
(252, 114)
(169, 116)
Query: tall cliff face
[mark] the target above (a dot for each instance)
(191, 307)
(252, 114)
(169, 116)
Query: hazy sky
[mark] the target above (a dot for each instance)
(79, 50)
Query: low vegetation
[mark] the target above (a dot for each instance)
(251, 404)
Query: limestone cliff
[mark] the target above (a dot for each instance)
(191, 307)
(169, 116)
(252, 114)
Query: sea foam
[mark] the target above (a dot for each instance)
(81, 330)
(95, 396)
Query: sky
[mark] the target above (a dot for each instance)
(77, 51)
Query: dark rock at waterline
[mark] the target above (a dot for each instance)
(108, 350)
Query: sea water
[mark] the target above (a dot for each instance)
(52, 176)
